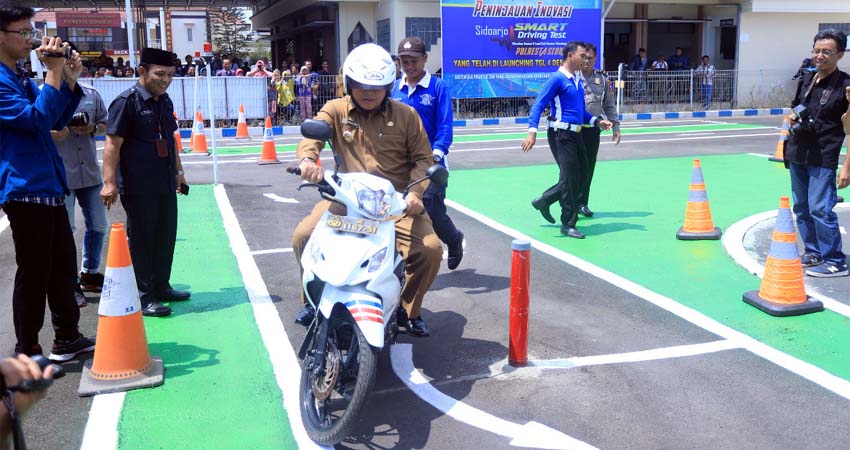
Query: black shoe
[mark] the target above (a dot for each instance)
(456, 252)
(810, 260)
(306, 316)
(416, 327)
(34, 350)
(173, 295)
(571, 232)
(585, 211)
(541, 206)
(155, 309)
(64, 350)
(79, 296)
(91, 282)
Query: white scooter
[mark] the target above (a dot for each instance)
(353, 277)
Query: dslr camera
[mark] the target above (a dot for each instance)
(803, 121)
(80, 119)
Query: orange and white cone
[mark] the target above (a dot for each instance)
(269, 154)
(241, 124)
(779, 155)
(698, 222)
(782, 291)
(199, 139)
(122, 360)
(178, 143)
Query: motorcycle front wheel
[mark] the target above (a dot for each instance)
(331, 400)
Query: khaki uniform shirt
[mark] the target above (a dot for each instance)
(599, 99)
(389, 143)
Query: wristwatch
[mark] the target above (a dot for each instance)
(309, 158)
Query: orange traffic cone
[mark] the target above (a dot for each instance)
(199, 139)
(779, 155)
(698, 222)
(782, 291)
(269, 155)
(241, 124)
(178, 143)
(121, 358)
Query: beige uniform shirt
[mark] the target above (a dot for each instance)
(599, 99)
(389, 143)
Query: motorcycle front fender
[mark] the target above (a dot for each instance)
(366, 310)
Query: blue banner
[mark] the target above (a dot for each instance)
(509, 48)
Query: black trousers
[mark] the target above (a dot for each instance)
(47, 269)
(590, 136)
(152, 230)
(435, 203)
(567, 148)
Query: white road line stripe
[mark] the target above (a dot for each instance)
(761, 155)
(626, 137)
(639, 356)
(842, 229)
(101, 431)
(270, 251)
(4, 223)
(706, 133)
(806, 370)
(733, 243)
(532, 434)
(284, 362)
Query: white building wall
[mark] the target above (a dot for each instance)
(422, 8)
(180, 24)
(350, 13)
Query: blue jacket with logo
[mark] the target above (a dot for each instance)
(433, 102)
(30, 164)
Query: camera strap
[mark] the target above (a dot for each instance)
(8, 398)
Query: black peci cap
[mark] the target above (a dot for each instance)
(157, 56)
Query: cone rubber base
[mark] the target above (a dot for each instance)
(268, 161)
(774, 309)
(152, 378)
(775, 159)
(683, 235)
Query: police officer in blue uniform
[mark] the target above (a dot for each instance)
(140, 162)
(564, 94)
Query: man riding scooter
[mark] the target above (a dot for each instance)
(374, 134)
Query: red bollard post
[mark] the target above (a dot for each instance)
(520, 276)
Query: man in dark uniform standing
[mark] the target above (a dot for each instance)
(140, 144)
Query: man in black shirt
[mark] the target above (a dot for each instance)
(140, 148)
(813, 150)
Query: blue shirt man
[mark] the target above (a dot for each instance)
(564, 94)
(431, 99)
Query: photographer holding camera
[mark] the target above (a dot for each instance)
(34, 186)
(23, 382)
(77, 147)
(812, 155)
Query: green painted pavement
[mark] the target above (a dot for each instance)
(640, 204)
(219, 391)
(460, 138)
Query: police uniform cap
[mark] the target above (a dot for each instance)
(411, 46)
(157, 57)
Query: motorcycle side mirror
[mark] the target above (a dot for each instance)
(438, 175)
(316, 129)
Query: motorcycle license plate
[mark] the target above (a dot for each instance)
(353, 224)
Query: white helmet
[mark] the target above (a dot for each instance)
(368, 66)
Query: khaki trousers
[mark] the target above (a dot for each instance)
(415, 239)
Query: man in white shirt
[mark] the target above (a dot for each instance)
(705, 75)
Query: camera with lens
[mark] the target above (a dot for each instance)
(802, 122)
(80, 119)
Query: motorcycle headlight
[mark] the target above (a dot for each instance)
(377, 259)
(374, 203)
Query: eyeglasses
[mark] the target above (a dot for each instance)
(26, 34)
(826, 53)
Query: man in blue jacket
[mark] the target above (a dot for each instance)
(33, 185)
(564, 94)
(431, 99)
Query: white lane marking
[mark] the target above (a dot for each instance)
(279, 199)
(446, 251)
(626, 137)
(842, 229)
(733, 243)
(532, 434)
(639, 356)
(101, 431)
(270, 251)
(286, 368)
(806, 370)
(761, 155)
(4, 223)
(705, 133)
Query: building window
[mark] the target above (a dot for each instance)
(189, 33)
(845, 27)
(425, 28)
(358, 36)
(384, 35)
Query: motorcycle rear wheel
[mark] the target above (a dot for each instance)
(331, 402)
